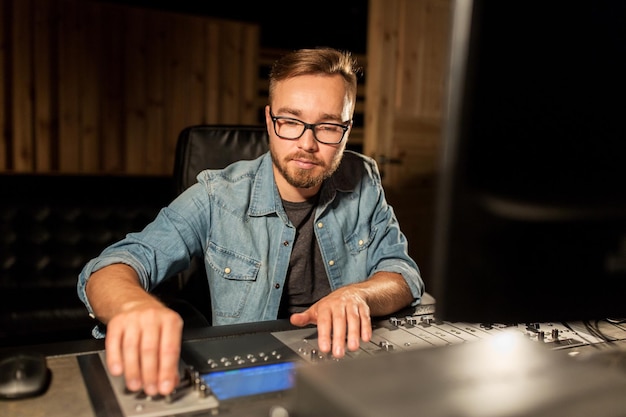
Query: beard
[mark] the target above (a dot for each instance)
(305, 178)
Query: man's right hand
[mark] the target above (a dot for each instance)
(143, 344)
(143, 336)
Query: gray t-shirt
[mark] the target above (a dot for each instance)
(307, 281)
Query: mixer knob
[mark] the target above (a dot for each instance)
(385, 345)
(410, 320)
(316, 356)
(197, 380)
(171, 397)
(204, 391)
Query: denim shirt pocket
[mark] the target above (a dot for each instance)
(361, 239)
(232, 276)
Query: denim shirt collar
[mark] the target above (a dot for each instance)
(264, 203)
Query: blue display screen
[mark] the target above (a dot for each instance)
(255, 380)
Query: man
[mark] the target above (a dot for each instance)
(303, 231)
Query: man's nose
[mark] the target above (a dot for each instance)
(307, 141)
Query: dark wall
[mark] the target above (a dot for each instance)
(285, 24)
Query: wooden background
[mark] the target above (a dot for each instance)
(405, 109)
(89, 86)
(95, 87)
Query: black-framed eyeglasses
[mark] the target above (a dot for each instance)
(292, 129)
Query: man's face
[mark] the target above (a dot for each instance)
(301, 165)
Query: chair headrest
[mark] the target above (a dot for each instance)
(215, 146)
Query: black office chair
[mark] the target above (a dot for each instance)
(205, 146)
(198, 148)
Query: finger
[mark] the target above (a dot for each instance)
(366, 324)
(149, 357)
(354, 320)
(324, 327)
(130, 356)
(169, 355)
(113, 349)
(339, 332)
(301, 319)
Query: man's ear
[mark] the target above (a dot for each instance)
(268, 119)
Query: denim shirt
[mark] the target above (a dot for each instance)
(234, 219)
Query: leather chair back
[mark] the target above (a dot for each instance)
(215, 146)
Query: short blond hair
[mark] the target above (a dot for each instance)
(315, 61)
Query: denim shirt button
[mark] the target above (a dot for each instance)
(277, 285)
(361, 242)
(320, 225)
(227, 270)
(331, 263)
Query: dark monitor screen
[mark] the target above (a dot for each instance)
(531, 218)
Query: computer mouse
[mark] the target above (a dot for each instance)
(23, 375)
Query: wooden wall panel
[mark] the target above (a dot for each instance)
(42, 85)
(21, 84)
(212, 64)
(250, 86)
(4, 78)
(382, 75)
(157, 158)
(95, 87)
(111, 87)
(71, 30)
(89, 89)
(424, 26)
(134, 55)
(407, 49)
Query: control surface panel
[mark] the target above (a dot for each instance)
(246, 373)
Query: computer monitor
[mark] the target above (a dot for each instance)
(531, 211)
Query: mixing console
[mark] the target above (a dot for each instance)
(222, 375)
(418, 332)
